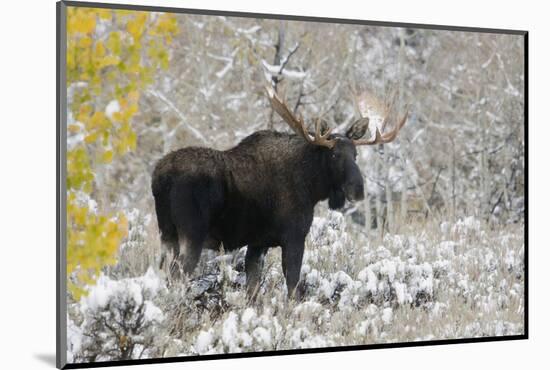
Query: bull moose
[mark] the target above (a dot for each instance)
(260, 193)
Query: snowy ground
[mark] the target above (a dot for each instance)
(433, 281)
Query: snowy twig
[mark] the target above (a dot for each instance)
(182, 118)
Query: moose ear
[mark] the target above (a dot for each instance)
(358, 129)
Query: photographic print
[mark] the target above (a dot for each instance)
(238, 184)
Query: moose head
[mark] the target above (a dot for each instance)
(344, 173)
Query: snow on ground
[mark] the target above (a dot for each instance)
(426, 282)
(117, 319)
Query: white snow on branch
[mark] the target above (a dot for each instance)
(289, 73)
(250, 30)
(181, 116)
(225, 69)
(208, 91)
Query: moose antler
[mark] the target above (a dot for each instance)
(373, 104)
(296, 123)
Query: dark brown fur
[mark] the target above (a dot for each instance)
(261, 193)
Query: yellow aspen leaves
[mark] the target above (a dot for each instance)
(78, 165)
(135, 26)
(165, 26)
(114, 43)
(107, 156)
(81, 21)
(99, 50)
(105, 14)
(94, 240)
(111, 56)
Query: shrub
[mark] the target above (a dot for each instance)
(119, 320)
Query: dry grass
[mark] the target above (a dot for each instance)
(433, 280)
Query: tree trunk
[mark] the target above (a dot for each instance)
(389, 200)
(277, 61)
(366, 201)
(453, 181)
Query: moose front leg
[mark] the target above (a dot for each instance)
(293, 253)
(253, 265)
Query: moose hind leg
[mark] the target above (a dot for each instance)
(190, 255)
(194, 202)
(191, 252)
(292, 265)
(253, 265)
(168, 233)
(192, 233)
(169, 244)
(169, 252)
